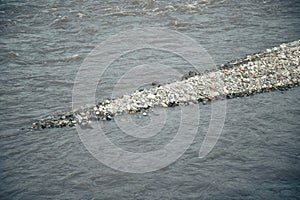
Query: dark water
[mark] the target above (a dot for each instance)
(43, 44)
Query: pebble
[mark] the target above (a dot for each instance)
(164, 105)
(276, 68)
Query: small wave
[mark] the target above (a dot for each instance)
(67, 59)
(122, 13)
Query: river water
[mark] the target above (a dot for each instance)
(43, 44)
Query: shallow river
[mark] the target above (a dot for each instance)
(43, 44)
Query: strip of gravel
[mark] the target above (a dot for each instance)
(276, 68)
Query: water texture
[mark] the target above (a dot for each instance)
(43, 44)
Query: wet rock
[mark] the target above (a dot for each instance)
(155, 83)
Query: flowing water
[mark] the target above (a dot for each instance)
(43, 44)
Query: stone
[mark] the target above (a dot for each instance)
(164, 105)
(151, 96)
(132, 111)
(106, 101)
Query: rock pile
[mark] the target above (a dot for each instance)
(276, 68)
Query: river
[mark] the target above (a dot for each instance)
(43, 45)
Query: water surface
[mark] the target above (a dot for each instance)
(43, 44)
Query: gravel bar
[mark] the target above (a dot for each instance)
(273, 69)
